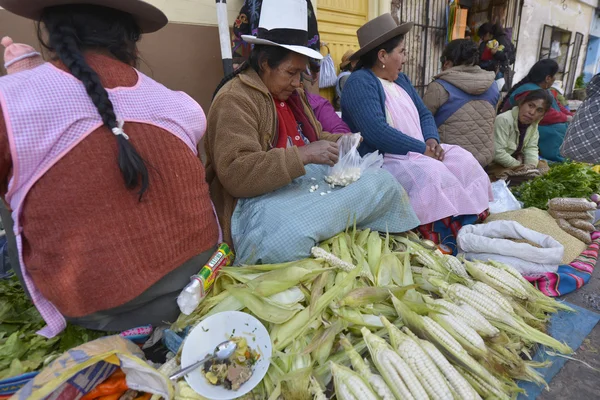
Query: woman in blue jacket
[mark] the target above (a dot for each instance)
(446, 185)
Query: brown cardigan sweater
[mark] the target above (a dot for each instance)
(241, 158)
(88, 243)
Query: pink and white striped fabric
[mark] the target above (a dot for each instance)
(48, 112)
(437, 189)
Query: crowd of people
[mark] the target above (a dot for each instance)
(113, 209)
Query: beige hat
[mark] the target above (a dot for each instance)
(346, 59)
(378, 31)
(149, 18)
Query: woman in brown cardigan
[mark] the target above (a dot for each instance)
(261, 128)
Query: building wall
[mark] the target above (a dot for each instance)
(570, 15)
(185, 55)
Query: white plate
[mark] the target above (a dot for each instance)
(214, 330)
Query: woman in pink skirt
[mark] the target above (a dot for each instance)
(446, 185)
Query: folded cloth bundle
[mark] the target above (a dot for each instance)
(494, 241)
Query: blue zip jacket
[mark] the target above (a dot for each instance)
(363, 109)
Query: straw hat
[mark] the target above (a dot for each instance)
(149, 18)
(20, 57)
(284, 23)
(378, 31)
(346, 59)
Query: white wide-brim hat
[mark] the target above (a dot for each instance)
(284, 23)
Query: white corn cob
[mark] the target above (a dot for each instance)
(487, 307)
(502, 280)
(397, 369)
(454, 265)
(349, 385)
(491, 391)
(470, 317)
(396, 373)
(417, 270)
(459, 384)
(336, 262)
(494, 295)
(425, 370)
(478, 321)
(380, 387)
(464, 330)
(441, 334)
(316, 390)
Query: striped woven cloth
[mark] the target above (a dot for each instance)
(570, 277)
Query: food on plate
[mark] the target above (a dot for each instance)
(233, 372)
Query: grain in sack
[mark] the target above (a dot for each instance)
(585, 237)
(571, 204)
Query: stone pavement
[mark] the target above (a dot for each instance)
(576, 380)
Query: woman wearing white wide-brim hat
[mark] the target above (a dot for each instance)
(98, 163)
(262, 133)
(444, 182)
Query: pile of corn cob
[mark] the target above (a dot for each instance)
(385, 317)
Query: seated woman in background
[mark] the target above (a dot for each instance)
(498, 58)
(582, 141)
(516, 134)
(463, 100)
(346, 67)
(443, 182)
(554, 125)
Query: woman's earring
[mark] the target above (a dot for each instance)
(383, 66)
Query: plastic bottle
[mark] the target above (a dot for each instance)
(193, 294)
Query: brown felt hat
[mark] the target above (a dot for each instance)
(149, 18)
(377, 32)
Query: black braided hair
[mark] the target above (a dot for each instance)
(273, 55)
(369, 59)
(73, 29)
(462, 52)
(537, 74)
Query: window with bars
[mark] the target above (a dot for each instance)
(556, 44)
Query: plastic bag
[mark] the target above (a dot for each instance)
(351, 165)
(504, 200)
(328, 74)
(79, 370)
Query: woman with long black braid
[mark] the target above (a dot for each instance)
(553, 126)
(99, 165)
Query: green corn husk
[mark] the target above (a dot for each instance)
(317, 288)
(263, 308)
(365, 295)
(322, 343)
(282, 335)
(374, 244)
(354, 317)
(277, 281)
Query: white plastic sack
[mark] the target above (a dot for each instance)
(504, 200)
(328, 75)
(351, 165)
(491, 242)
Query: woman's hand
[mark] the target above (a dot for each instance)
(569, 118)
(319, 152)
(434, 149)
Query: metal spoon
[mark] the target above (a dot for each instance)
(222, 352)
